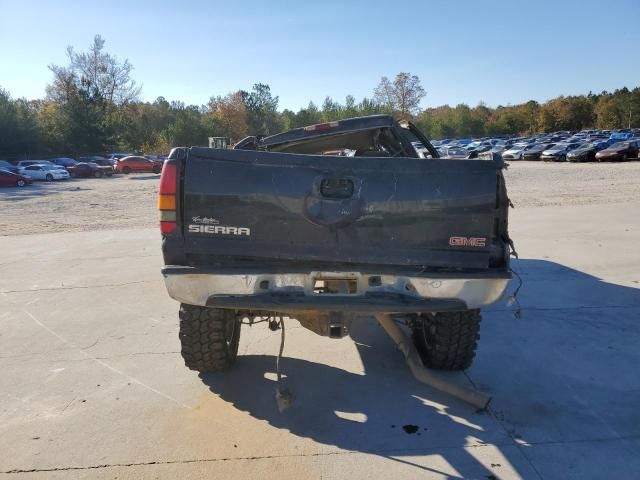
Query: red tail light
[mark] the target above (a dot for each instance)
(167, 227)
(167, 198)
(168, 179)
(321, 126)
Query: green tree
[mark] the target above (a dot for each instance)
(307, 116)
(87, 93)
(402, 96)
(262, 110)
(228, 115)
(369, 106)
(330, 110)
(19, 129)
(609, 113)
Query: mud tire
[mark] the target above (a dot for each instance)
(209, 338)
(447, 340)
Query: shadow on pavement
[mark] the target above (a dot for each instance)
(41, 189)
(367, 412)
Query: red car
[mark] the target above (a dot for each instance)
(134, 164)
(626, 150)
(9, 179)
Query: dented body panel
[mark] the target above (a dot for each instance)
(273, 212)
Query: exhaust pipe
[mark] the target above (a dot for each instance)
(432, 378)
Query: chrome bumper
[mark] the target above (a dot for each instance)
(240, 290)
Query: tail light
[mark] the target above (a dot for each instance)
(167, 198)
(321, 126)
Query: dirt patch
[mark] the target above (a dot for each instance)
(536, 184)
(122, 201)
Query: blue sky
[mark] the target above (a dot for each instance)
(499, 52)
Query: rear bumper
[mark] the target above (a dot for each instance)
(293, 292)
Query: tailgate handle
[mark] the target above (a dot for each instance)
(336, 188)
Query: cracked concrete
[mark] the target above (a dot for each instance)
(63, 287)
(92, 384)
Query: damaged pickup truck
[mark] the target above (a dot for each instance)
(330, 224)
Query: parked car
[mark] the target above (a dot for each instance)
(621, 136)
(64, 161)
(44, 172)
(105, 162)
(160, 161)
(88, 169)
(504, 144)
(558, 153)
(479, 146)
(420, 148)
(516, 151)
(26, 163)
(498, 149)
(118, 156)
(453, 152)
(134, 164)
(10, 167)
(627, 150)
(586, 152)
(96, 159)
(533, 152)
(10, 179)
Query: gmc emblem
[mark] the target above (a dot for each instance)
(467, 241)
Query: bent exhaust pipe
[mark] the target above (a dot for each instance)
(432, 378)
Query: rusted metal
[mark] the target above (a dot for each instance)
(433, 378)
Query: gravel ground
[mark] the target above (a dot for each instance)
(129, 201)
(537, 184)
(122, 201)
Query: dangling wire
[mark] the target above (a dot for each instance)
(513, 298)
(281, 323)
(283, 395)
(252, 320)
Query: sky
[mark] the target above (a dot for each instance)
(499, 52)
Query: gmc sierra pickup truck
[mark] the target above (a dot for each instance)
(329, 224)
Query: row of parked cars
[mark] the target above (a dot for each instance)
(24, 172)
(583, 146)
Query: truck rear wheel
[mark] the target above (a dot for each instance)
(447, 340)
(209, 337)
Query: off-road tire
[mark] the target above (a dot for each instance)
(447, 340)
(209, 337)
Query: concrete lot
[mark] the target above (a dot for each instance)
(92, 384)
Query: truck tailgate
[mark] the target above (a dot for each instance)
(434, 213)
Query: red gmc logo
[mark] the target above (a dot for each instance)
(467, 241)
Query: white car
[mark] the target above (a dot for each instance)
(421, 149)
(26, 163)
(44, 172)
(516, 152)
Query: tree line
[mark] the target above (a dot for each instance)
(92, 105)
